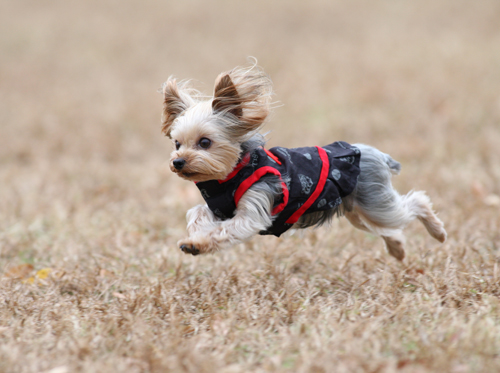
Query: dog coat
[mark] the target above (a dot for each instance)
(313, 179)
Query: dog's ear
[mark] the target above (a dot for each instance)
(226, 97)
(245, 93)
(174, 103)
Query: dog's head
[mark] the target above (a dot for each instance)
(207, 134)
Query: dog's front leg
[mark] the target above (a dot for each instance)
(200, 220)
(208, 234)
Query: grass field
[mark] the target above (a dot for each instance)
(91, 279)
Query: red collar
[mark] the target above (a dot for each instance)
(243, 163)
(238, 167)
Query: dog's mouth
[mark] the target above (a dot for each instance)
(183, 173)
(194, 176)
(187, 175)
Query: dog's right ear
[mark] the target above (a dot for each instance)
(174, 103)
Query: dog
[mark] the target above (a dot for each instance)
(252, 190)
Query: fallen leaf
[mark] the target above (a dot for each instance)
(403, 363)
(29, 280)
(21, 271)
(43, 273)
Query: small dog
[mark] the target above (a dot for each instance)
(251, 190)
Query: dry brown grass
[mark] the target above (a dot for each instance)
(85, 189)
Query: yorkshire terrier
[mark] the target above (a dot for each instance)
(251, 190)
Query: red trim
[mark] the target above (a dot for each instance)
(282, 205)
(244, 162)
(253, 178)
(319, 188)
(238, 167)
(272, 156)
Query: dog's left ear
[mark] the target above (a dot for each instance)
(175, 102)
(244, 93)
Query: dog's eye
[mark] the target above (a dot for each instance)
(205, 143)
(177, 145)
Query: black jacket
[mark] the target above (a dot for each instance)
(315, 179)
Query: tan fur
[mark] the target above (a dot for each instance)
(245, 93)
(395, 246)
(433, 224)
(226, 97)
(239, 107)
(177, 97)
(394, 243)
(355, 220)
(201, 165)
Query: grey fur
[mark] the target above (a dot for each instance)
(319, 218)
(374, 193)
(395, 166)
(269, 186)
(254, 142)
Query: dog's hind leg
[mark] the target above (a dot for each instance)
(395, 245)
(421, 205)
(381, 210)
(394, 239)
(355, 220)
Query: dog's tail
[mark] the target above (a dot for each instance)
(374, 161)
(395, 166)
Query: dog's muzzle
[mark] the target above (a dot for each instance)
(179, 163)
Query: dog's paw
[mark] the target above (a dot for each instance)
(196, 245)
(188, 247)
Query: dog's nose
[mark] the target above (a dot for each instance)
(179, 163)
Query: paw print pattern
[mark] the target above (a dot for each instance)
(254, 161)
(347, 159)
(219, 214)
(336, 174)
(285, 153)
(287, 183)
(204, 193)
(306, 183)
(336, 203)
(321, 203)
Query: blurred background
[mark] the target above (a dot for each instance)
(86, 195)
(80, 108)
